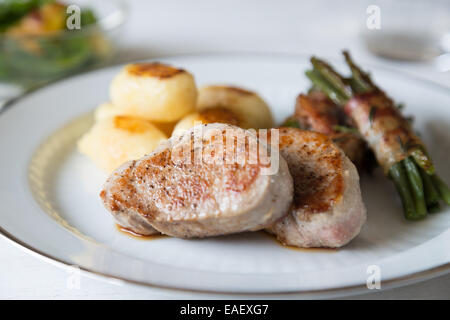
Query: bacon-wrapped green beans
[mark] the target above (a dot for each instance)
(316, 112)
(399, 151)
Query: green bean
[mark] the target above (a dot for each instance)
(441, 186)
(355, 85)
(415, 182)
(423, 160)
(327, 72)
(291, 122)
(420, 189)
(346, 129)
(432, 196)
(319, 82)
(398, 175)
(361, 80)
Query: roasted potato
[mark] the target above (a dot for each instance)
(251, 109)
(154, 91)
(212, 115)
(106, 110)
(117, 139)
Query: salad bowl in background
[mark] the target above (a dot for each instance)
(38, 47)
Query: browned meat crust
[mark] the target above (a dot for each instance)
(328, 210)
(185, 198)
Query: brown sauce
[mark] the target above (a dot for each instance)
(138, 236)
(135, 235)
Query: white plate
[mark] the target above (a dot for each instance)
(50, 203)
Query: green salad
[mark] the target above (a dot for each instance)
(36, 45)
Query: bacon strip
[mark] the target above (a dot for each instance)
(387, 132)
(316, 112)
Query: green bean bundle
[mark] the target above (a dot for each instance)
(399, 151)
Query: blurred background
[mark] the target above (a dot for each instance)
(39, 42)
(38, 45)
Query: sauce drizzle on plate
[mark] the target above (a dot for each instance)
(135, 235)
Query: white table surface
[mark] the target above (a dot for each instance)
(157, 28)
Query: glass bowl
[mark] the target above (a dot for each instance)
(31, 60)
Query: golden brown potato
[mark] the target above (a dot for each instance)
(212, 115)
(117, 139)
(154, 91)
(106, 110)
(252, 110)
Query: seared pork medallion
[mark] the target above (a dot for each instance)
(173, 191)
(327, 210)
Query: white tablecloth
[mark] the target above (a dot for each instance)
(157, 28)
